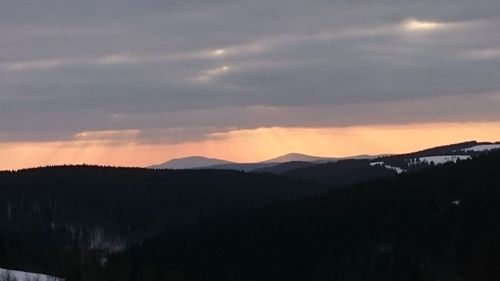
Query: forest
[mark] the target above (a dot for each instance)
(438, 222)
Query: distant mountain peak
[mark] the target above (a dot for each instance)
(190, 162)
(292, 157)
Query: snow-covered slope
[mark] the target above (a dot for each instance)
(482, 147)
(14, 275)
(381, 163)
(441, 159)
(444, 158)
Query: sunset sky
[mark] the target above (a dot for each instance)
(136, 83)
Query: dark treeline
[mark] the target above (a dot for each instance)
(340, 173)
(442, 223)
(63, 220)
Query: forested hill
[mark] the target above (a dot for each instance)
(438, 224)
(49, 216)
(127, 224)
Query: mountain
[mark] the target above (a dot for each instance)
(190, 163)
(299, 160)
(439, 223)
(200, 162)
(283, 163)
(295, 161)
(197, 162)
(296, 157)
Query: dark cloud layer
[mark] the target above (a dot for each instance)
(68, 67)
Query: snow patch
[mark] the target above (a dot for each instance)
(444, 158)
(26, 276)
(397, 169)
(482, 147)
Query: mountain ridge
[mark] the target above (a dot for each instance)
(203, 162)
(288, 161)
(190, 162)
(296, 157)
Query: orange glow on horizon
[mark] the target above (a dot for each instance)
(250, 145)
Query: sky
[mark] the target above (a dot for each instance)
(136, 83)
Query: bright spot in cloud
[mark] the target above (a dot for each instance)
(40, 64)
(219, 52)
(114, 59)
(116, 135)
(211, 74)
(417, 25)
(485, 54)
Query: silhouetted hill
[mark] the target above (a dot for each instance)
(298, 157)
(279, 165)
(341, 172)
(437, 224)
(346, 171)
(284, 167)
(445, 153)
(246, 167)
(48, 213)
(190, 162)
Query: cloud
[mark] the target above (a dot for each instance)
(484, 54)
(197, 125)
(152, 67)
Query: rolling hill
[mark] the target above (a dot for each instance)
(190, 162)
(400, 217)
(440, 223)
